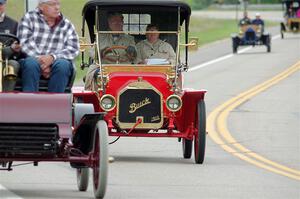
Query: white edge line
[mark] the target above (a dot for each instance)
(224, 57)
(6, 194)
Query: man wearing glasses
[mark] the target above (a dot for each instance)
(115, 23)
(51, 43)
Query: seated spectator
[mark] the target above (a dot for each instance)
(51, 43)
(153, 47)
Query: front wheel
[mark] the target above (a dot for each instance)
(82, 178)
(100, 157)
(200, 136)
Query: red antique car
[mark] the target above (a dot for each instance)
(145, 99)
(52, 127)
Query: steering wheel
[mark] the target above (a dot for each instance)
(7, 39)
(112, 55)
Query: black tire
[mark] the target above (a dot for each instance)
(268, 48)
(268, 44)
(187, 146)
(200, 137)
(234, 45)
(234, 49)
(82, 178)
(100, 156)
(282, 29)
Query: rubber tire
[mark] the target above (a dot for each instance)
(82, 178)
(187, 146)
(200, 137)
(100, 154)
(268, 44)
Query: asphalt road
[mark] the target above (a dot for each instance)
(267, 124)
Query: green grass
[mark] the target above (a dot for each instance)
(207, 30)
(210, 30)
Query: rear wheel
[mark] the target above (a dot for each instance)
(200, 136)
(234, 45)
(282, 29)
(268, 44)
(100, 158)
(187, 146)
(82, 178)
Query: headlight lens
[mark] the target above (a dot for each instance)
(174, 103)
(107, 102)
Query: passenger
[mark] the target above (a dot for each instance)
(258, 21)
(51, 43)
(245, 20)
(10, 50)
(115, 23)
(153, 47)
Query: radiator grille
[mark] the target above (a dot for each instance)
(140, 103)
(28, 140)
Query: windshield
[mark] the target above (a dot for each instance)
(149, 38)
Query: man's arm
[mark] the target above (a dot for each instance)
(25, 34)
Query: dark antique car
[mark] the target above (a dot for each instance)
(291, 15)
(251, 35)
(51, 127)
(145, 99)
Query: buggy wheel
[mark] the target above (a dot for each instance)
(100, 159)
(268, 44)
(269, 48)
(234, 45)
(234, 49)
(82, 178)
(200, 136)
(187, 146)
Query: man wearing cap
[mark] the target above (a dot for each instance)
(127, 55)
(258, 21)
(51, 43)
(245, 20)
(10, 50)
(115, 23)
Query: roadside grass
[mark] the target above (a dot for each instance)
(207, 30)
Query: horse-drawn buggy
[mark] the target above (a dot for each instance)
(138, 80)
(291, 15)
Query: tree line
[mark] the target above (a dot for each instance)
(200, 4)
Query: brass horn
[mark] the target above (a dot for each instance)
(9, 72)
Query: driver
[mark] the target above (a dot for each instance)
(10, 50)
(126, 55)
(51, 43)
(115, 23)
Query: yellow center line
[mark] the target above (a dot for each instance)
(217, 128)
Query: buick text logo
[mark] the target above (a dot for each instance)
(135, 106)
